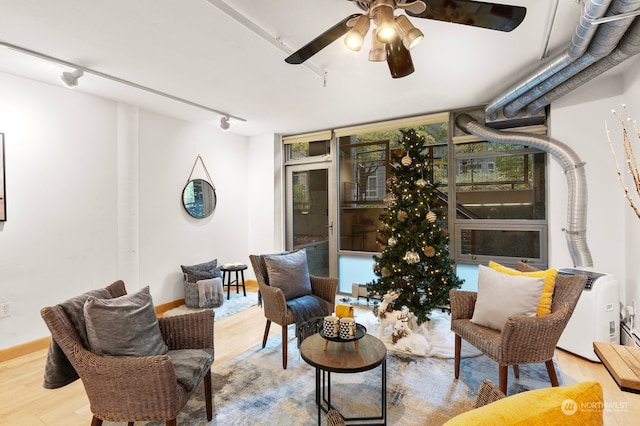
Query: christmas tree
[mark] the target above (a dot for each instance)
(414, 259)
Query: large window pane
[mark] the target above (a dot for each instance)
(499, 183)
(364, 168)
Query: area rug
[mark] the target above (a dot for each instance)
(253, 389)
(237, 302)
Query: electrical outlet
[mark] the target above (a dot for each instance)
(5, 309)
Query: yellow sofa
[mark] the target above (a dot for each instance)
(579, 404)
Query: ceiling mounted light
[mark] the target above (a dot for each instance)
(378, 53)
(70, 79)
(411, 36)
(224, 123)
(355, 37)
(382, 11)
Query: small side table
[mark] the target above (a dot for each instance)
(226, 270)
(344, 359)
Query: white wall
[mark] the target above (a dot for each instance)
(613, 230)
(632, 222)
(93, 187)
(60, 235)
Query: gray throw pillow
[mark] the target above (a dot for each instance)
(124, 326)
(201, 271)
(289, 272)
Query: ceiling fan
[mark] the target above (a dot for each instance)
(394, 36)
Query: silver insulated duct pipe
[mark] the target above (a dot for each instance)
(583, 34)
(602, 26)
(573, 167)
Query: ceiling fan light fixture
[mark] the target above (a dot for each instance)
(378, 53)
(398, 59)
(354, 39)
(382, 11)
(411, 36)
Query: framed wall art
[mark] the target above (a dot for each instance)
(3, 200)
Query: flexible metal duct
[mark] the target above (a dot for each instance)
(603, 43)
(579, 42)
(573, 167)
(628, 47)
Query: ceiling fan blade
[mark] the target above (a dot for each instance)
(398, 59)
(500, 17)
(322, 41)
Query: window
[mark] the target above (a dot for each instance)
(500, 210)
(365, 154)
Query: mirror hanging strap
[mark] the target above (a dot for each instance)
(205, 170)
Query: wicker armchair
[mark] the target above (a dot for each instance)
(275, 304)
(128, 389)
(522, 340)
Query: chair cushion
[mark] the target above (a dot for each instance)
(124, 326)
(501, 296)
(190, 365)
(289, 272)
(201, 271)
(544, 306)
(579, 404)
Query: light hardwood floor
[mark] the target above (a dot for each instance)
(23, 401)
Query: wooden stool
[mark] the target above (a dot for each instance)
(227, 269)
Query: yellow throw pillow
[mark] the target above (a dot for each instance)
(579, 404)
(544, 307)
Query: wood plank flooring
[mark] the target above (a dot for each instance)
(23, 401)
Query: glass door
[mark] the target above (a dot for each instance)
(310, 224)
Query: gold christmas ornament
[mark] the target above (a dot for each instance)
(421, 183)
(431, 216)
(406, 160)
(402, 215)
(392, 242)
(429, 251)
(385, 272)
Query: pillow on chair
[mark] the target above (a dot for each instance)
(544, 307)
(501, 296)
(124, 326)
(202, 271)
(289, 272)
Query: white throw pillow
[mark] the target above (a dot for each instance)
(501, 296)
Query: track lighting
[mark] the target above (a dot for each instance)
(224, 123)
(70, 79)
(355, 37)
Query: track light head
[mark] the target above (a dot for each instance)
(224, 123)
(70, 79)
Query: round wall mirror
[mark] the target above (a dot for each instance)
(199, 198)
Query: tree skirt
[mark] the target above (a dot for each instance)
(236, 303)
(437, 333)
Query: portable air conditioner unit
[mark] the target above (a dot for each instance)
(596, 317)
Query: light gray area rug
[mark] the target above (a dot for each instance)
(236, 303)
(253, 389)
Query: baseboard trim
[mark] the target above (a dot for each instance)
(24, 349)
(43, 343)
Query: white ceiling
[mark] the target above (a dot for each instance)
(192, 50)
